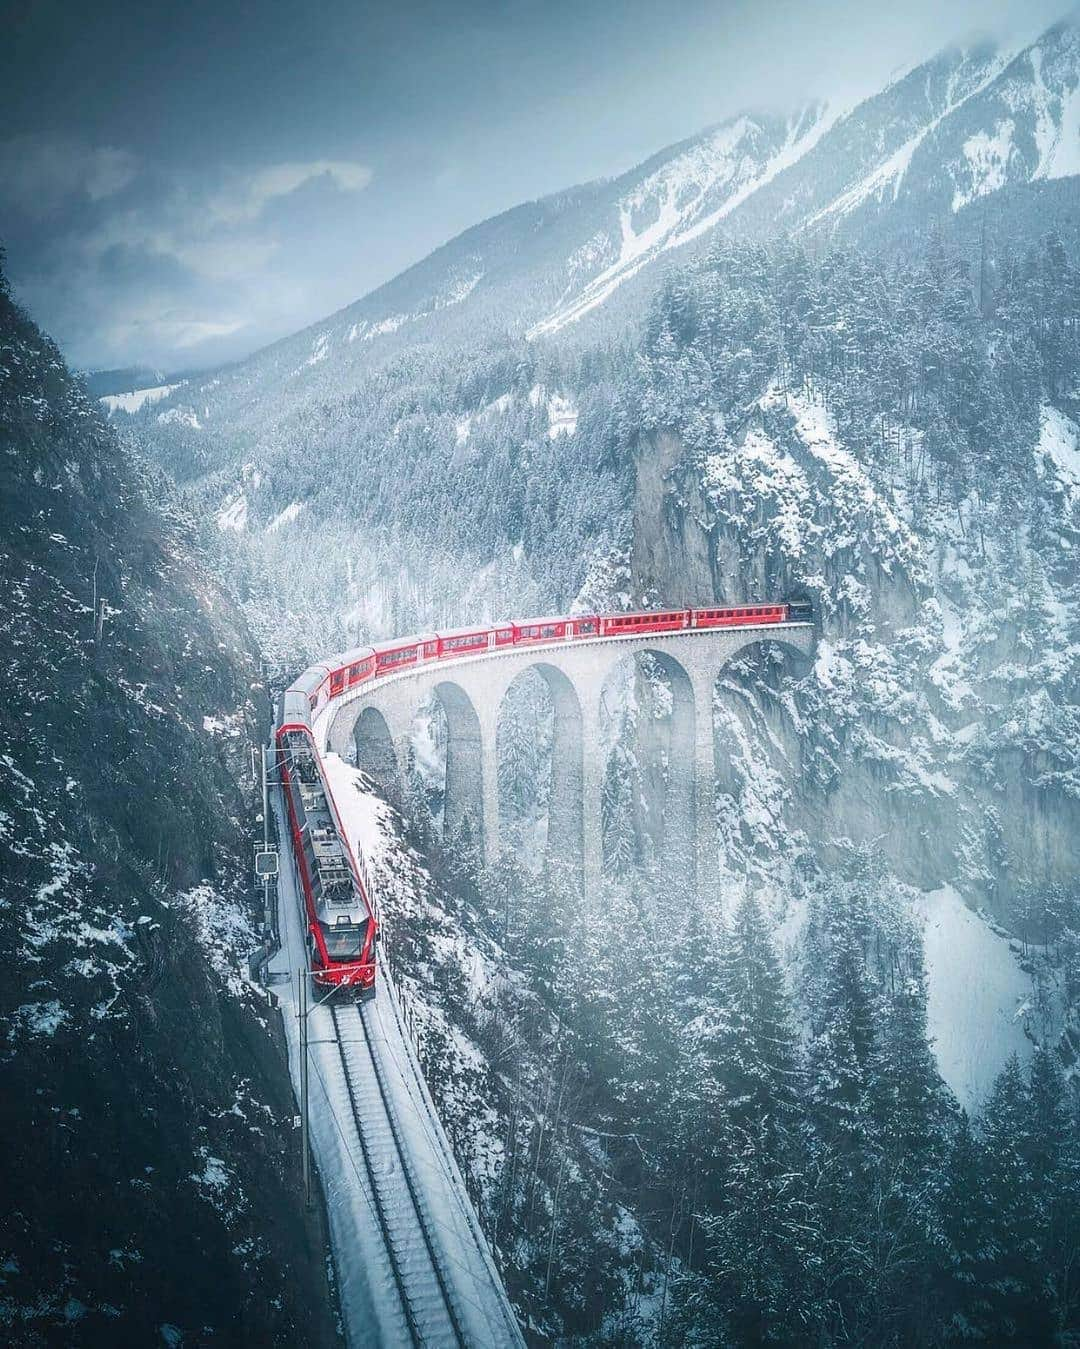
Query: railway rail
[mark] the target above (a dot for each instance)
(426, 1300)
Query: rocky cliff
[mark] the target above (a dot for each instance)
(150, 1191)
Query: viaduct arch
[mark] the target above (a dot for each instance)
(375, 722)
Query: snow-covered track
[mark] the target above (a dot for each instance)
(426, 1300)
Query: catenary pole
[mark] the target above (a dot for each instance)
(304, 1143)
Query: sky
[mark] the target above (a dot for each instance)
(182, 184)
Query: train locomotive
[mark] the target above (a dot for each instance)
(342, 925)
(340, 919)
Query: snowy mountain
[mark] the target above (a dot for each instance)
(966, 128)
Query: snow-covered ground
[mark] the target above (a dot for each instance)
(136, 398)
(977, 996)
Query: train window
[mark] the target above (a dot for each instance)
(344, 941)
(548, 631)
(585, 627)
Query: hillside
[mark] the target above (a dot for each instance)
(150, 1188)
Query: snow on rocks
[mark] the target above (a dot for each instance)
(38, 1018)
(287, 516)
(233, 514)
(224, 934)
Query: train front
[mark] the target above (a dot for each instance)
(341, 928)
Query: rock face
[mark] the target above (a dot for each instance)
(934, 723)
(150, 1189)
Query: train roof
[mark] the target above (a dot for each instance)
(310, 680)
(399, 642)
(293, 706)
(533, 622)
(649, 613)
(351, 657)
(466, 632)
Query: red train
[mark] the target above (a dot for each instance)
(342, 927)
(340, 673)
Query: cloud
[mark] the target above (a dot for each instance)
(245, 198)
(39, 174)
(123, 261)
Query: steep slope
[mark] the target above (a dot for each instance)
(150, 1192)
(935, 531)
(962, 128)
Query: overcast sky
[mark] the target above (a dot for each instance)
(182, 183)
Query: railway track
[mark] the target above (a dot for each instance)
(427, 1306)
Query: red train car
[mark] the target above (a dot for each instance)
(465, 642)
(738, 616)
(405, 651)
(659, 620)
(342, 930)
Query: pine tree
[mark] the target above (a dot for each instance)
(744, 1058)
(962, 1226)
(1009, 1266)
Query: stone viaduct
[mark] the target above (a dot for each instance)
(373, 724)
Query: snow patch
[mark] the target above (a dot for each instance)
(320, 349)
(38, 1018)
(133, 401)
(285, 517)
(224, 934)
(179, 417)
(384, 326)
(988, 163)
(975, 992)
(724, 167)
(233, 515)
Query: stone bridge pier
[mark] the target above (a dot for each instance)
(373, 726)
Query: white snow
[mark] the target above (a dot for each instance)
(463, 425)
(233, 515)
(230, 726)
(460, 288)
(320, 349)
(892, 168)
(987, 158)
(1057, 122)
(285, 517)
(223, 931)
(370, 1307)
(562, 417)
(179, 417)
(133, 401)
(975, 991)
(387, 325)
(1064, 159)
(365, 816)
(39, 1018)
(722, 167)
(1059, 445)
